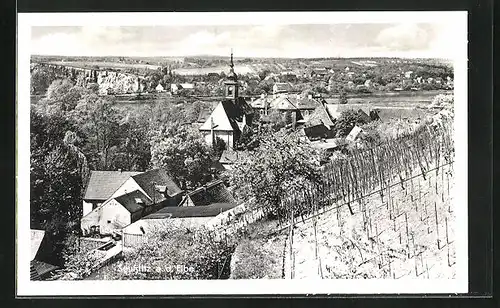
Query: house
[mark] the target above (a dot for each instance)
(119, 212)
(320, 72)
(211, 193)
(159, 88)
(354, 134)
(175, 88)
(305, 105)
(187, 86)
(40, 267)
(155, 186)
(319, 124)
(408, 74)
(101, 186)
(230, 157)
(197, 208)
(282, 88)
(230, 117)
(188, 218)
(261, 104)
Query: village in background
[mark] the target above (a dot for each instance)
(241, 168)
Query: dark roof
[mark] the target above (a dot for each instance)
(217, 166)
(238, 109)
(149, 179)
(215, 192)
(191, 211)
(366, 117)
(39, 269)
(227, 110)
(320, 116)
(282, 87)
(317, 131)
(129, 201)
(231, 156)
(304, 103)
(103, 184)
(203, 115)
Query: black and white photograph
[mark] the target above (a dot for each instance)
(242, 153)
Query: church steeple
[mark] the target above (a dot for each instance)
(232, 64)
(231, 84)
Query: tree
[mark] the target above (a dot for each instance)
(218, 147)
(41, 78)
(182, 151)
(276, 120)
(99, 121)
(62, 96)
(280, 165)
(263, 74)
(55, 181)
(346, 122)
(133, 151)
(342, 96)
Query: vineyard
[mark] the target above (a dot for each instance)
(382, 212)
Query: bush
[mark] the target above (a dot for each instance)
(347, 120)
(173, 254)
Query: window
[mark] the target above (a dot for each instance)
(229, 91)
(109, 221)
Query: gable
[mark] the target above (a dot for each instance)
(220, 120)
(36, 241)
(282, 103)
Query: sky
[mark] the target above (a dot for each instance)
(412, 40)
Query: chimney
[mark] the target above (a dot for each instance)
(310, 96)
(262, 95)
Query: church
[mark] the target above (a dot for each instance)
(232, 116)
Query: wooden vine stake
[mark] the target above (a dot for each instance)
(416, 268)
(427, 219)
(419, 198)
(437, 225)
(446, 225)
(407, 235)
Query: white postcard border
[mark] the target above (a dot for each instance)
(25, 287)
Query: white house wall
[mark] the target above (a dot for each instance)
(227, 136)
(113, 216)
(87, 208)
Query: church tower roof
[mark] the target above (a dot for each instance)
(232, 75)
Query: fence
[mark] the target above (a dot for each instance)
(87, 244)
(132, 240)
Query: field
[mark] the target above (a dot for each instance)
(104, 65)
(241, 69)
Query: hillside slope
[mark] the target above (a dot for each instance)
(394, 239)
